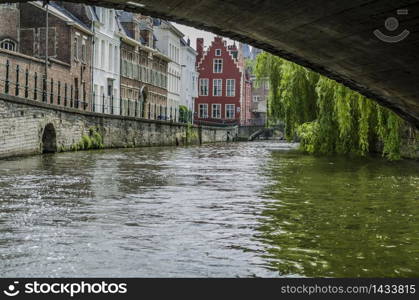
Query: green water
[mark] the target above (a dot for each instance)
(340, 217)
(225, 210)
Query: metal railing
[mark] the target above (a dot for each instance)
(19, 81)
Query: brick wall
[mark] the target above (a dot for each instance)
(9, 23)
(36, 68)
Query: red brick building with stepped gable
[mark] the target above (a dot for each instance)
(220, 78)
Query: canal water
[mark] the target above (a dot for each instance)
(236, 210)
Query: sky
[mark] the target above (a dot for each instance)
(193, 34)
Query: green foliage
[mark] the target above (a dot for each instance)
(327, 135)
(91, 141)
(185, 115)
(308, 133)
(365, 107)
(292, 95)
(389, 131)
(86, 142)
(250, 64)
(190, 134)
(328, 117)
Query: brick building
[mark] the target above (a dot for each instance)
(144, 70)
(220, 83)
(9, 26)
(23, 42)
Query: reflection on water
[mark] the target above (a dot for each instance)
(242, 209)
(341, 218)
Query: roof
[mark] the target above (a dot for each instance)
(63, 14)
(118, 22)
(125, 16)
(188, 46)
(171, 27)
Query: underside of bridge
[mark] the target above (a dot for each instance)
(334, 38)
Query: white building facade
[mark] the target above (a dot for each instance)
(189, 76)
(106, 58)
(168, 42)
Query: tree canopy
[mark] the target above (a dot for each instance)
(326, 116)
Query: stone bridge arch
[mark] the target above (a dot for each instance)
(49, 139)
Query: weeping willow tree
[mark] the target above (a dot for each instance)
(292, 98)
(327, 117)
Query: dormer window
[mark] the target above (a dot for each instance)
(8, 44)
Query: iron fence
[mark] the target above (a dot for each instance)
(19, 81)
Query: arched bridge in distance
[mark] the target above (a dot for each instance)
(371, 46)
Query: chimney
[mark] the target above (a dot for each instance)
(199, 49)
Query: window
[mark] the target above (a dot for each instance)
(217, 52)
(218, 65)
(110, 87)
(104, 15)
(99, 12)
(116, 60)
(102, 54)
(217, 90)
(230, 111)
(203, 111)
(110, 53)
(76, 48)
(83, 51)
(216, 111)
(231, 87)
(111, 20)
(203, 87)
(8, 45)
(96, 47)
(256, 98)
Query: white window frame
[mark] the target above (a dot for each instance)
(201, 80)
(83, 50)
(102, 54)
(219, 110)
(218, 62)
(217, 52)
(110, 57)
(205, 115)
(8, 44)
(231, 91)
(214, 90)
(226, 111)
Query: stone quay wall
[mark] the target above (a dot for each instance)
(30, 127)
